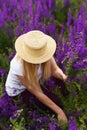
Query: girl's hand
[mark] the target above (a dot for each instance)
(62, 117)
(23, 80)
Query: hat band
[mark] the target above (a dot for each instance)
(35, 52)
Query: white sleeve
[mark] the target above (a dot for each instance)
(16, 67)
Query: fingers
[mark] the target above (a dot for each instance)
(65, 78)
(62, 117)
(20, 77)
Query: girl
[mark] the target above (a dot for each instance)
(32, 65)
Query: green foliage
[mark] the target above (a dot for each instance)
(60, 14)
(1, 86)
(82, 120)
(75, 103)
(18, 125)
(4, 63)
(17, 122)
(4, 122)
(6, 41)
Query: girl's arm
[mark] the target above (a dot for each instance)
(44, 99)
(56, 71)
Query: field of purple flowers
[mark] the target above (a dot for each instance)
(66, 22)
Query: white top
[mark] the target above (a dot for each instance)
(13, 85)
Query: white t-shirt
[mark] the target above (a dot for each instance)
(13, 85)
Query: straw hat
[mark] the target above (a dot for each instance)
(35, 47)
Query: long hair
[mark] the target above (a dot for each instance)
(30, 72)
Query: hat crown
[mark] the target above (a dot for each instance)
(35, 40)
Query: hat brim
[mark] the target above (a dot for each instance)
(49, 52)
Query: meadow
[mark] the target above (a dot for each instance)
(66, 22)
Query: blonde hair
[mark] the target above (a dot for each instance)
(30, 72)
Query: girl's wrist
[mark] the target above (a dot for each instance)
(59, 111)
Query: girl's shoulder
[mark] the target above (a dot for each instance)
(16, 65)
(15, 61)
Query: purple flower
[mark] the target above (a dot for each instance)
(6, 106)
(62, 30)
(69, 19)
(72, 123)
(80, 64)
(73, 94)
(78, 112)
(52, 126)
(2, 72)
(86, 1)
(51, 82)
(11, 56)
(66, 3)
(70, 79)
(85, 79)
(23, 17)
